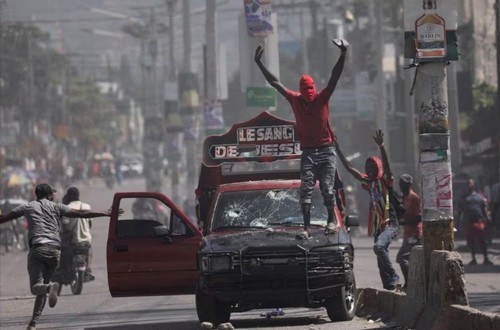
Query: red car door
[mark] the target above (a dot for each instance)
(151, 248)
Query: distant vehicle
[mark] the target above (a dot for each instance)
(132, 167)
(246, 254)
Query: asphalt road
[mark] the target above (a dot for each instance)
(96, 309)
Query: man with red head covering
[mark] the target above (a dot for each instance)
(383, 220)
(317, 141)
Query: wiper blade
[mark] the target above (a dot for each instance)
(239, 227)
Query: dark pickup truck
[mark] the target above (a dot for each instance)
(244, 252)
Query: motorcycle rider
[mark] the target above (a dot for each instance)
(76, 232)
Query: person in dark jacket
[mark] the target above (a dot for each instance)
(473, 213)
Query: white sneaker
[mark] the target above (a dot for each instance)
(331, 228)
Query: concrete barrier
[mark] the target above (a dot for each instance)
(443, 306)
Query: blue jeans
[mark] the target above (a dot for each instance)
(318, 164)
(383, 239)
(42, 262)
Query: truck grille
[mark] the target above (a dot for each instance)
(290, 267)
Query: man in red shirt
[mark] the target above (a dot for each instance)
(317, 140)
(412, 223)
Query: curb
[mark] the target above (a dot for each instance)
(374, 303)
(441, 304)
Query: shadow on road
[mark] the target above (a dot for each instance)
(238, 324)
(481, 269)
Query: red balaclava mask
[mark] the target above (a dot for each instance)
(307, 88)
(374, 168)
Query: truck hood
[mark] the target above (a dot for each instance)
(236, 241)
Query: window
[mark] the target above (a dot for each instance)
(141, 216)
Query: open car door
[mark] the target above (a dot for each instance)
(151, 248)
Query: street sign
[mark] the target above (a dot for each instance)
(261, 97)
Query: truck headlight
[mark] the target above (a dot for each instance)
(215, 263)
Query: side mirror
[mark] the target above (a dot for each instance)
(160, 231)
(352, 221)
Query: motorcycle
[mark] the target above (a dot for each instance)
(72, 269)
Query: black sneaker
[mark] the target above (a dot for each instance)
(54, 288)
(487, 262)
(473, 262)
(303, 235)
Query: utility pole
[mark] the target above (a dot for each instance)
(435, 167)
(497, 39)
(431, 99)
(375, 12)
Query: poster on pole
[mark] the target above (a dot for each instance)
(258, 17)
(436, 182)
(213, 115)
(431, 30)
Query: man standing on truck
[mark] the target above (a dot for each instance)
(317, 140)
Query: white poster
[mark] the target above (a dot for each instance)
(437, 185)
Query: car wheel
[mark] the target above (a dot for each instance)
(341, 306)
(211, 309)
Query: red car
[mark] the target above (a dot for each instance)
(244, 254)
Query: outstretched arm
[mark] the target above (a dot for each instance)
(86, 214)
(8, 216)
(271, 78)
(348, 165)
(338, 68)
(379, 140)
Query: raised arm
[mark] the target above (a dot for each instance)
(271, 78)
(338, 68)
(379, 140)
(348, 165)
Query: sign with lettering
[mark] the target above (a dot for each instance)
(431, 30)
(261, 97)
(264, 138)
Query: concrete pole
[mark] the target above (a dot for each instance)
(303, 43)
(375, 10)
(186, 34)
(435, 167)
(456, 154)
(189, 120)
(411, 131)
(211, 40)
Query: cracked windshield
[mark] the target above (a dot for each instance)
(265, 208)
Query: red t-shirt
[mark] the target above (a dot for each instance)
(313, 124)
(413, 206)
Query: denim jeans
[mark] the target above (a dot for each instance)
(403, 257)
(42, 262)
(381, 248)
(318, 164)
